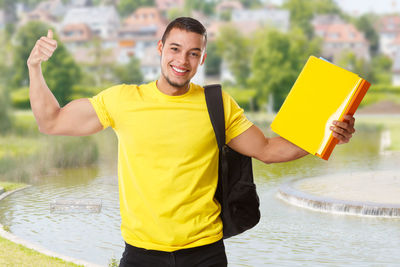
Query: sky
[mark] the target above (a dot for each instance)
(359, 7)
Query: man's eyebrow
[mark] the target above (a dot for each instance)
(176, 44)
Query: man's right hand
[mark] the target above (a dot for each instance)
(43, 50)
(76, 118)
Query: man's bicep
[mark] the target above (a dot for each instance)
(77, 118)
(251, 142)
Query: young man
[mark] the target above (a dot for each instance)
(168, 155)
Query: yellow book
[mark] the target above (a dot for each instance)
(322, 93)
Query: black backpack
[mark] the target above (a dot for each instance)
(236, 191)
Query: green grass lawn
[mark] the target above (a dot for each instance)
(12, 254)
(11, 186)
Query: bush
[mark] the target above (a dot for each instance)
(5, 117)
(71, 152)
(380, 92)
(21, 158)
(20, 98)
(244, 97)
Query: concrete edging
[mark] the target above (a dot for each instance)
(288, 193)
(15, 239)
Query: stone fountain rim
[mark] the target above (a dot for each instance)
(289, 190)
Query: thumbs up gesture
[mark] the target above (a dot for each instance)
(43, 50)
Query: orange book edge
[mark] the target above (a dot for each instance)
(350, 110)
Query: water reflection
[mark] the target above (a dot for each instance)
(285, 236)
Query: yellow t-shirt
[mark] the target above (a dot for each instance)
(167, 163)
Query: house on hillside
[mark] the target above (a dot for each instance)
(225, 8)
(39, 15)
(56, 8)
(80, 3)
(339, 37)
(75, 35)
(388, 29)
(139, 36)
(165, 5)
(103, 21)
(266, 17)
(140, 30)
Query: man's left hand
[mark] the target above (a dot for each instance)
(343, 130)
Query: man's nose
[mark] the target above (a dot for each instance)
(182, 58)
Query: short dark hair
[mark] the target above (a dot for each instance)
(187, 24)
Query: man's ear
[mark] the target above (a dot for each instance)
(203, 59)
(159, 47)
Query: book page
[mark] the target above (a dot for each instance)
(336, 116)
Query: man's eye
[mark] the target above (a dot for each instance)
(195, 55)
(174, 49)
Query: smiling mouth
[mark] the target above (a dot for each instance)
(179, 71)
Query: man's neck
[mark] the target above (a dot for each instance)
(168, 89)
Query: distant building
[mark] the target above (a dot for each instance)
(388, 29)
(338, 37)
(327, 19)
(75, 35)
(140, 31)
(396, 69)
(81, 3)
(103, 21)
(165, 5)
(56, 8)
(39, 15)
(394, 47)
(228, 7)
(266, 17)
(150, 64)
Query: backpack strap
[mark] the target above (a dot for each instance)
(215, 108)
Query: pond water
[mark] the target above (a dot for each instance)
(286, 235)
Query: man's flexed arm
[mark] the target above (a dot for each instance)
(76, 118)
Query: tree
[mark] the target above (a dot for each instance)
(10, 16)
(350, 61)
(61, 71)
(207, 7)
(302, 12)
(365, 24)
(5, 116)
(213, 60)
(236, 50)
(126, 7)
(5, 73)
(129, 73)
(382, 70)
(277, 61)
(251, 3)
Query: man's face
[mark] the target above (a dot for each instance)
(181, 54)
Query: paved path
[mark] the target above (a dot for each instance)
(377, 186)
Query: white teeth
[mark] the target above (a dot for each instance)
(178, 70)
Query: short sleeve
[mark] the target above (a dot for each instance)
(235, 120)
(106, 105)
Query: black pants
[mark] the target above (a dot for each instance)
(212, 255)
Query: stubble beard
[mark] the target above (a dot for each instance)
(174, 84)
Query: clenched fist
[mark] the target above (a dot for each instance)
(43, 50)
